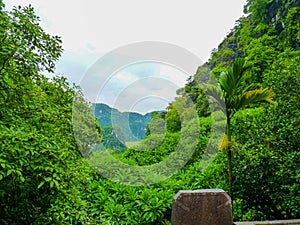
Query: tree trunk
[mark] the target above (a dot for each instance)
(229, 158)
(229, 167)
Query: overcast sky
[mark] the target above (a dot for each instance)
(92, 28)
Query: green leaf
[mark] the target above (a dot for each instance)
(41, 184)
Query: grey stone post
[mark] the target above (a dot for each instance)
(202, 207)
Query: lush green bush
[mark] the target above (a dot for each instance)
(45, 180)
(267, 162)
(41, 167)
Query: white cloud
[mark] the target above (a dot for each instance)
(144, 93)
(196, 25)
(173, 74)
(140, 83)
(91, 28)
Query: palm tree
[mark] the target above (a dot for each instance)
(237, 95)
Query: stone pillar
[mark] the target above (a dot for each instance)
(202, 207)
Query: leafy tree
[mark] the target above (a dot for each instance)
(111, 139)
(40, 163)
(195, 92)
(268, 38)
(238, 95)
(292, 30)
(1, 5)
(258, 8)
(267, 164)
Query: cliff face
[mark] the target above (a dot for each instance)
(120, 127)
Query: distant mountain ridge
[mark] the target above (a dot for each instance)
(125, 126)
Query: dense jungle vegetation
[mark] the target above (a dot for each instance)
(45, 180)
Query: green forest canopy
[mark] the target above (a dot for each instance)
(45, 180)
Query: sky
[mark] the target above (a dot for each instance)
(91, 29)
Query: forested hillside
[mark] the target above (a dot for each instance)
(41, 169)
(120, 128)
(44, 178)
(266, 175)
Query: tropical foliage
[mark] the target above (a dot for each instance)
(237, 95)
(44, 178)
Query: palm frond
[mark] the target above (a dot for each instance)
(255, 96)
(231, 80)
(239, 67)
(215, 97)
(226, 83)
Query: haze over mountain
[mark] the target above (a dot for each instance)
(120, 127)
